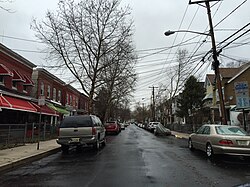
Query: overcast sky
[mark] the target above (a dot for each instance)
(151, 18)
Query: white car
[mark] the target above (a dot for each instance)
(122, 126)
(152, 126)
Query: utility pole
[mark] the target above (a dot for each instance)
(216, 62)
(153, 99)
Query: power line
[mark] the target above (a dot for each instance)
(22, 39)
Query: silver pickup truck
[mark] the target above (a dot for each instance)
(81, 130)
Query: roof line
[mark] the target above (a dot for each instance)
(238, 74)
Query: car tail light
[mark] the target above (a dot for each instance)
(93, 131)
(225, 142)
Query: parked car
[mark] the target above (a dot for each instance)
(82, 130)
(160, 130)
(220, 139)
(112, 127)
(126, 124)
(152, 125)
(122, 126)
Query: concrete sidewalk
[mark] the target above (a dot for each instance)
(13, 157)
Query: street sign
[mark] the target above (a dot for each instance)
(242, 94)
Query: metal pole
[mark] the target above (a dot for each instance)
(153, 103)
(25, 133)
(40, 119)
(32, 135)
(216, 66)
(244, 119)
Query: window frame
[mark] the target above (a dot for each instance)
(42, 88)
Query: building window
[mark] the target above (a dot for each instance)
(14, 84)
(77, 102)
(59, 96)
(70, 100)
(48, 92)
(25, 88)
(67, 99)
(2, 80)
(54, 94)
(42, 89)
(74, 101)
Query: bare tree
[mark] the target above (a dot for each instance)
(3, 7)
(177, 76)
(81, 36)
(119, 77)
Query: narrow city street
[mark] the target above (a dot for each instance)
(135, 157)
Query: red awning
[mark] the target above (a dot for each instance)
(17, 76)
(5, 71)
(45, 110)
(13, 103)
(28, 81)
(4, 103)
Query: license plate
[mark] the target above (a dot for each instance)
(75, 139)
(242, 142)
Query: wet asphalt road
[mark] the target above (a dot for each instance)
(135, 157)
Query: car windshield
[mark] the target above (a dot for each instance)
(76, 121)
(155, 123)
(227, 130)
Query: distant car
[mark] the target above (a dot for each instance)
(140, 125)
(126, 124)
(112, 127)
(220, 139)
(80, 131)
(122, 126)
(160, 130)
(152, 125)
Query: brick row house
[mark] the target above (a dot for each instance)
(23, 86)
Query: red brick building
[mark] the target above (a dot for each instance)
(15, 88)
(59, 96)
(28, 93)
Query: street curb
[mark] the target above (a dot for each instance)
(17, 163)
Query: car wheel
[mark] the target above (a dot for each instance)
(190, 145)
(96, 145)
(65, 148)
(209, 151)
